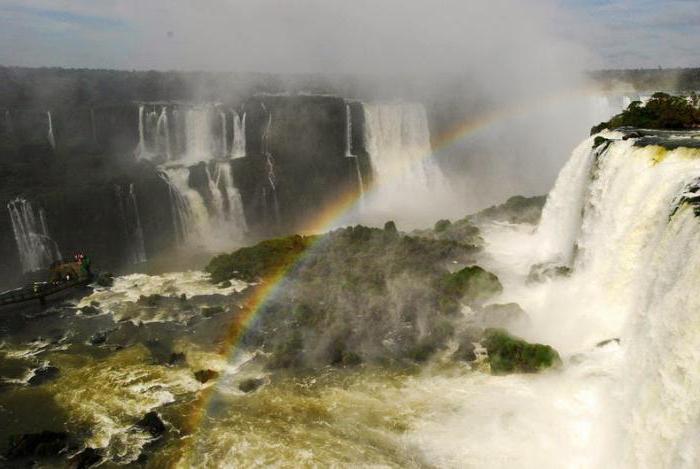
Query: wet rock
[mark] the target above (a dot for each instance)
(150, 300)
(251, 384)
(152, 423)
(43, 374)
(177, 358)
(105, 279)
(465, 352)
(90, 311)
(225, 284)
(603, 343)
(502, 315)
(209, 311)
(87, 458)
(44, 444)
(205, 375)
(99, 338)
(544, 271)
(510, 354)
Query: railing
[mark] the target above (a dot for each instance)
(38, 293)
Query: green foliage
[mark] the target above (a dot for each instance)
(255, 262)
(472, 284)
(509, 354)
(662, 111)
(517, 209)
(359, 295)
(442, 225)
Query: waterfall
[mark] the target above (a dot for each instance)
(34, 244)
(233, 205)
(348, 130)
(199, 140)
(50, 136)
(406, 177)
(188, 209)
(348, 152)
(270, 165)
(131, 223)
(212, 218)
(224, 135)
(141, 148)
(238, 150)
(638, 262)
(163, 135)
(561, 220)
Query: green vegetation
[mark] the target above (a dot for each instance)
(517, 209)
(358, 295)
(473, 284)
(509, 354)
(663, 111)
(257, 262)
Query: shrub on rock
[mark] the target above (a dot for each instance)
(509, 354)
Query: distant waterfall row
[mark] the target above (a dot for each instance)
(190, 134)
(625, 216)
(197, 143)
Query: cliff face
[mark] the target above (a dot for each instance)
(82, 175)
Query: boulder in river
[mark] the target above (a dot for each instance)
(152, 423)
(205, 375)
(44, 444)
(251, 384)
(43, 374)
(87, 458)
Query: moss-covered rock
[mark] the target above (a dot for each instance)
(256, 262)
(359, 295)
(472, 284)
(509, 354)
(517, 209)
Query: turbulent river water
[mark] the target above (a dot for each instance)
(625, 322)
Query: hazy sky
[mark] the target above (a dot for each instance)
(344, 36)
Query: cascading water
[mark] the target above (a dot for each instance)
(270, 164)
(629, 214)
(50, 136)
(349, 154)
(238, 150)
(163, 135)
(224, 134)
(131, 223)
(405, 173)
(34, 244)
(215, 216)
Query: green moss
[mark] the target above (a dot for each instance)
(442, 225)
(509, 354)
(265, 258)
(472, 284)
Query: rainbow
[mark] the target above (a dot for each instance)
(328, 218)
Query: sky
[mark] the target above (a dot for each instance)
(345, 36)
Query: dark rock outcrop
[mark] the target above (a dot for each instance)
(152, 423)
(43, 444)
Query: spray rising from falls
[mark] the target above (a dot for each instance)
(34, 244)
